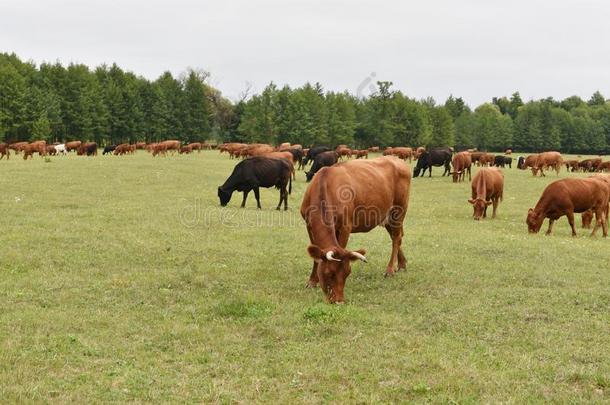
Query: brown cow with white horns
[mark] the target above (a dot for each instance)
(462, 164)
(487, 189)
(353, 197)
(567, 196)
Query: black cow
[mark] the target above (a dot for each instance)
(322, 159)
(520, 162)
(255, 172)
(297, 156)
(434, 157)
(502, 161)
(108, 149)
(313, 152)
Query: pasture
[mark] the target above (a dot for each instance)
(122, 279)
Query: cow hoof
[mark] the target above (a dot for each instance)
(311, 284)
(388, 274)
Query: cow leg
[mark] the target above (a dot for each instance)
(402, 260)
(258, 197)
(570, 215)
(243, 202)
(430, 171)
(551, 222)
(495, 206)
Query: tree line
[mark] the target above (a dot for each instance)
(109, 105)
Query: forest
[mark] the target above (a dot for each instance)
(109, 105)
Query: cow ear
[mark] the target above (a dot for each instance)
(530, 210)
(471, 201)
(315, 252)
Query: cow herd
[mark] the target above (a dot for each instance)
(352, 196)
(90, 148)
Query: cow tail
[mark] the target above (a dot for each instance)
(290, 185)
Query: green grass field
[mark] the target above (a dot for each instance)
(122, 279)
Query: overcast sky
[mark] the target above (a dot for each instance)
(475, 49)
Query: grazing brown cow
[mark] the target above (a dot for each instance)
(567, 196)
(73, 145)
(4, 150)
(475, 156)
(403, 153)
(353, 197)
(589, 165)
(185, 150)
(486, 159)
(87, 148)
(141, 145)
(548, 160)
(256, 150)
(172, 145)
(387, 151)
(462, 164)
(39, 147)
(604, 167)
(529, 162)
(374, 149)
(51, 150)
(121, 149)
(362, 154)
(195, 146)
(344, 152)
(159, 149)
(487, 189)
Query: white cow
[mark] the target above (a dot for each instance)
(61, 148)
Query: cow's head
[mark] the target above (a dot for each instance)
(534, 221)
(333, 268)
(224, 196)
(309, 175)
(456, 175)
(479, 205)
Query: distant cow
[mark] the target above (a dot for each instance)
(403, 153)
(121, 149)
(503, 161)
(374, 149)
(461, 165)
(159, 149)
(548, 160)
(569, 196)
(4, 150)
(18, 146)
(39, 147)
(434, 157)
(195, 146)
(363, 153)
(344, 152)
(321, 160)
(87, 148)
(256, 172)
(312, 152)
(51, 150)
(487, 189)
(353, 197)
(589, 165)
(571, 165)
(486, 159)
(185, 150)
(108, 149)
(73, 145)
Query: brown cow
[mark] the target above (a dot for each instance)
(475, 156)
(589, 165)
(51, 150)
(185, 149)
(387, 151)
(548, 160)
(529, 162)
(283, 155)
(362, 154)
(257, 150)
(18, 146)
(87, 148)
(487, 189)
(344, 152)
(39, 147)
(486, 159)
(4, 150)
(462, 163)
(195, 146)
(159, 148)
(121, 149)
(141, 145)
(604, 167)
(74, 145)
(172, 145)
(353, 197)
(403, 153)
(374, 149)
(567, 196)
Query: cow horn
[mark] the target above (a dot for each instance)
(330, 256)
(360, 256)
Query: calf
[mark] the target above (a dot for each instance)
(255, 172)
(487, 189)
(502, 161)
(567, 196)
